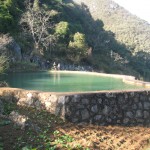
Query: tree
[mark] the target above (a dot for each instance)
(3, 63)
(62, 29)
(78, 48)
(37, 24)
(9, 13)
(5, 40)
(36, 5)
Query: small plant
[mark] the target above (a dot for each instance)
(8, 108)
(28, 148)
(62, 140)
(67, 138)
(5, 122)
(56, 132)
(45, 139)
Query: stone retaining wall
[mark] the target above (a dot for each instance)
(103, 108)
(122, 108)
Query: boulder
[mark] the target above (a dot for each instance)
(85, 114)
(146, 115)
(147, 105)
(139, 114)
(106, 110)
(129, 114)
(94, 109)
(18, 119)
(98, 117)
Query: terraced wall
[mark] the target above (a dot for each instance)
(126, 108)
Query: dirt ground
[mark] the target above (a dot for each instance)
(110, 137)
(48, 132)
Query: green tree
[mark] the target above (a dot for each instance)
(36, 5)
(9, 13)
(3, 66)
(3, 63)
(62, 31)
(77, 48)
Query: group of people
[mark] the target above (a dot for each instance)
(56, 66)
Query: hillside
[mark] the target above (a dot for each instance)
(128, 29)
(97, 33)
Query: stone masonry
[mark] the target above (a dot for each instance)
(128, 108)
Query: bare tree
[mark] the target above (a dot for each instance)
(37, 23)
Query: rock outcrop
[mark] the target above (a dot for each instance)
(10, 47)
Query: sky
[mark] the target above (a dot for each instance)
(140, 8)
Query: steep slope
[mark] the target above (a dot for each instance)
(128, 29)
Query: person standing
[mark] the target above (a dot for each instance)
(58, 66)
(54, 66)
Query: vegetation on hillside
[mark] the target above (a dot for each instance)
(3, 56)
(9, 13)
(128, 30)
(3, 63)
(3, 67)
(52, 35)
(98, 33)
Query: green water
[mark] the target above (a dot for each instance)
(62, 82)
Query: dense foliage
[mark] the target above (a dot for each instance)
(98, 33)
(130, 34)
(9, 13)
(3, 63)
(77, 47)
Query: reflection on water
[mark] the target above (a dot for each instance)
(62, 82)
(56, 78)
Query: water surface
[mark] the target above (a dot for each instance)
(63, 82)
